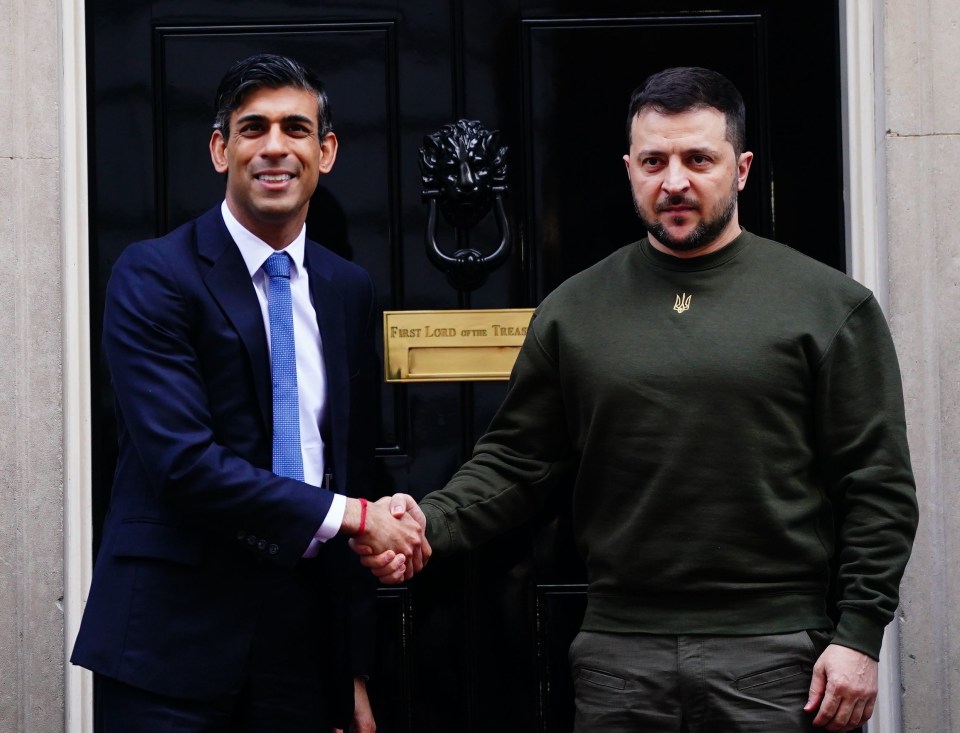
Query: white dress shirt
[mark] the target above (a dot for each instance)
(311, 374)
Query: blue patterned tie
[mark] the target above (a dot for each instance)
(287, 459)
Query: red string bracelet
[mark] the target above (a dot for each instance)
(363, 516)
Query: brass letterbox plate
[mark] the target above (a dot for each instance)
(452, 346)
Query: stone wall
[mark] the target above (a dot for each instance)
(922, 106)
(31, 424)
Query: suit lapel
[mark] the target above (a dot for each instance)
(330, 320)
(230, 285)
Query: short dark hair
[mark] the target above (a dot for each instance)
(685, 88)
(272, 71)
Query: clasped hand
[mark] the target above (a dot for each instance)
(392, 544)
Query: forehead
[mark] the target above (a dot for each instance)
(278, 103)
(704, 127)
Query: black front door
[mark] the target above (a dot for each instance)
(476, 643)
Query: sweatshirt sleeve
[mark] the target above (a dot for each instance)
(865, 462)
(514, 465)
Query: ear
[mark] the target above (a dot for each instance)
(328, 152)
(743, 169)
(626, 162)
(218, 152)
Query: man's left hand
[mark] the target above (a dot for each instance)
(844, 688)
(362, 712)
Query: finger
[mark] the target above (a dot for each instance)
(417, 513)
(421, 555)
(868, 709)
(382, 560)
(412, 536)
(841, 718)
(857, 716)
(396, 577)
(828, 709)
(818, 684)
(390, 575)
(410, 571)
(359, 547)
(397, 564)
(417, 561)
(416, 557)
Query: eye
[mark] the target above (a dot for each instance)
(298, 130)
(650, 162)
(699, 160)
(250, 129)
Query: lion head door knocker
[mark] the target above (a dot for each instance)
(464, 173)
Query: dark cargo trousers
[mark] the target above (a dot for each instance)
(651, 683)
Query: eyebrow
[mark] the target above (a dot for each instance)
(701, 150)
(253, 117)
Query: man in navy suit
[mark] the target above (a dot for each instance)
(224, 597)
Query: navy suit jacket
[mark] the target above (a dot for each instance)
(197, 519)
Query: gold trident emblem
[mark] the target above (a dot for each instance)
(683, 303)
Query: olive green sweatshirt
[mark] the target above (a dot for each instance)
(736, 419)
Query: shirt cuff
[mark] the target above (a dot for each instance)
(333, 520)
(331, 525)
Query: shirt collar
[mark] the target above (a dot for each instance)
(255, 251)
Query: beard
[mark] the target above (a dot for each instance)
(704, 233)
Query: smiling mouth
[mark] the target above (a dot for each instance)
(274, 177)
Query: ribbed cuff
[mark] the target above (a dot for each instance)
(860, 632)
(439, 533)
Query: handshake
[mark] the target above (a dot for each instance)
(388, 534)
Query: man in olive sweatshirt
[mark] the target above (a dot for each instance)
(737, 415)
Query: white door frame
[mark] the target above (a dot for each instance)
(77, 410)
(861, 30)
(77, 539)
(864, 175)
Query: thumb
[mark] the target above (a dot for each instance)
(398, 505)
(817, 686)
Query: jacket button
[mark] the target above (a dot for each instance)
(262, 545)
(251, 540)
(273, 549)
(241, 535)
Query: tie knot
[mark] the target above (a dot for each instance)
(277, 265)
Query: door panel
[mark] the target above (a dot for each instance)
(476, 643)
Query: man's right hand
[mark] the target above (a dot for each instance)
(391, 564)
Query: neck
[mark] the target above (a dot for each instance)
(278, 234)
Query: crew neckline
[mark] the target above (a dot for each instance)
(695, 264)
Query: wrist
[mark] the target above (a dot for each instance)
(352, 515)
(363, 515)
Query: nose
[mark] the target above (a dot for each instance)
(274, 142)
(675, 178)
